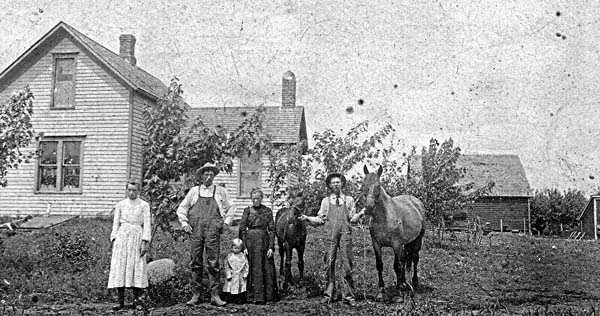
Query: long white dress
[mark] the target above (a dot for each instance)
(131, 225)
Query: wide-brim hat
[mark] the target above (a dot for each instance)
(208, 166)
(335, 175)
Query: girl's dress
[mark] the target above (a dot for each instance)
(236, 273)
(131, 225)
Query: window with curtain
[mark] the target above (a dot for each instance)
(59, 165)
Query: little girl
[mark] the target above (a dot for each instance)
(236, 272)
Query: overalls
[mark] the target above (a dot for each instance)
(207, 225)
(339, 235)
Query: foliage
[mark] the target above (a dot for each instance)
(16, 131)
(172, 152)
(72, 249)
(551, 208)
(437, 181)
(284, 162)
(341, 153)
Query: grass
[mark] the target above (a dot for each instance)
(517, 275)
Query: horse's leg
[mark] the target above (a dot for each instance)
(300, 252)
(399, 263)
(281, 255)
(379, 265)
(288, 265)
(415, 257)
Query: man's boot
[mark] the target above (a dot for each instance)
(120, 300)
(215, 298)
(195, 298)
(195, 289)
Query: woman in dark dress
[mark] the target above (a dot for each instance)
(257, 230)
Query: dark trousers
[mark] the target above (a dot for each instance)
(205, 241)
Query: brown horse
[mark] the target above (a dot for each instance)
(396, 222)
(291, 234)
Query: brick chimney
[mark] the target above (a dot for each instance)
(127, 48)
(288, 90)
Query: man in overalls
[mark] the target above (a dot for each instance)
(335, 213)
(202, 214)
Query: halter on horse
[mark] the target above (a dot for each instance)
(396, 222)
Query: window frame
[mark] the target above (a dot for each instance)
(240, 172)
(55, 57)
(60, 165)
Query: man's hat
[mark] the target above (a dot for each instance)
(209, 166)
(335, 175)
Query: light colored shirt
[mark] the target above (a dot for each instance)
(134, 212)
(192, 197)
(343, 200)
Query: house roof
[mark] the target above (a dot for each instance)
(587, 205)
(287, 125)
(506, 171)
(134, 76)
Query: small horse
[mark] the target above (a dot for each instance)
(291, 234)
(397, 222)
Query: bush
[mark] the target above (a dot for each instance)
(73, 249)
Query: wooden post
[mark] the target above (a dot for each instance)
(529, 215)
(595, 219)
(524, 225)
(501, 226)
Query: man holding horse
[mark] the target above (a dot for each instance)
(335, 213)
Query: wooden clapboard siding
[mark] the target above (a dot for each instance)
(101, 116)
(511, 210)
(138, 134)
(231, 182)
(588, 221)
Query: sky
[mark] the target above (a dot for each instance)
(498, 77)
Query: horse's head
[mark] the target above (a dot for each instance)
(297, 206)
(371, 187)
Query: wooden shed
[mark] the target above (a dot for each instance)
(88, 115)
(588, 219)
(508, 202)
(507, 206)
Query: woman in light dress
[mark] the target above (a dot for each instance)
(130, 235)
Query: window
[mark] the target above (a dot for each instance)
(59, 165)
(63, 81)
(250, 166)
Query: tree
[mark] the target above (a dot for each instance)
(437, 181)
(16, 132)
(339, 153)
(552, 210)
(174, 148)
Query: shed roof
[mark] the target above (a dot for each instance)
(134, 76)
(587, 206)
(287, 125)
(506, 171)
